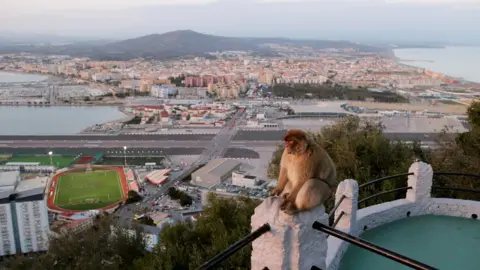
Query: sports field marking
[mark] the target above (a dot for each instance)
(92, 190)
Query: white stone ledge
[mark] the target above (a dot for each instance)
(336, 250)
(379, 214)
(453, 207)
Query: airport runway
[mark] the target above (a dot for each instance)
(120, 137)
(101, 144)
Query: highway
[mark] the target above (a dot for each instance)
(216, 149)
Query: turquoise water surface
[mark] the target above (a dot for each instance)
(447, 243)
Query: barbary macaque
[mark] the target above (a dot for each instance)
(308, 176)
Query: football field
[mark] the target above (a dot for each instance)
(85, 190)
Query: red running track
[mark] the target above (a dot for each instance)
(52, 189)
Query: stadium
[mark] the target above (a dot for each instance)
(86, 188)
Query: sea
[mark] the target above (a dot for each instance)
(54, 120)
(8, 77)
(459, 61)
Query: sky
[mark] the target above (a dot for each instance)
(356, 20)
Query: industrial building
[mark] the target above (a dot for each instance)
(214, 172)
(24, 223)
(241, 179)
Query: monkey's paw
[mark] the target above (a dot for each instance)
(288, 207)
(276, 192)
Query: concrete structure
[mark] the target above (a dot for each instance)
(243, 180)
(293, 244)
(23, 214)
(215, 172)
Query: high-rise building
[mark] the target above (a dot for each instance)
(24, 225)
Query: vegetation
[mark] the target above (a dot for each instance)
(88, 190)
(330, 91)
(360, 151)
(95, 248)
(134, 121)
(181, 196)
(133, 197)
(186, 246)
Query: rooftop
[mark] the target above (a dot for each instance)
(25, 190)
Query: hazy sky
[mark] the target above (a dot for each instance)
(376, 20)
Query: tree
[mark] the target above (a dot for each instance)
(133, 197)
(187, 246)
(188, 117)
(95, 248)
(146, 220)
(473, 113)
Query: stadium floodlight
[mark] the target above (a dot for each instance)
(51, 158)
(125, 155)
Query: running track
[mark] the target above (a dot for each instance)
(54, 184)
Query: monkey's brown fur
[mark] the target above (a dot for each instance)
(308, 175)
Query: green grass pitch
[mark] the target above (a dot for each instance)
(88, 190)
(58, 161)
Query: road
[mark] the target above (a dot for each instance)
(214, 150)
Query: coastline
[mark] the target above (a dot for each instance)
(47, 76)
(443, 76)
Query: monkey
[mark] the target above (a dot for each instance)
(308, 176)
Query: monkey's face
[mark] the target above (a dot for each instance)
(294, 146)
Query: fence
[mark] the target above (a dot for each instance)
(300, 241)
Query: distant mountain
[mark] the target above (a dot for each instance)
(182, 43)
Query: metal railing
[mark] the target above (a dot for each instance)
(371, 247)
(217, 260)
(473, 175)
(384, 178)
(396, 190)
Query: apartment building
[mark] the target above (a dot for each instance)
(24, 223)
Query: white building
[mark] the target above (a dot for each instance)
(23, 214)
(241, 179)
(163, 91)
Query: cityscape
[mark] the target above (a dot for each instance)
(164, 158)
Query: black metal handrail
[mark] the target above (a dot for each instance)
(338, 219)
(372, 247)
(383, 193)
(456, 189)
(385, 178)
(215, 261)
(476, 175)
(337, 205)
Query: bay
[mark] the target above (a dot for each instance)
(459, 61)
(62, 120)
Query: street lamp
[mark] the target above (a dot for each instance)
(125, 155)
(51, 158)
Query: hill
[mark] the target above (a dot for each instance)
(182, 43)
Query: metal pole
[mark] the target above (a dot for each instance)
(215, 261)
(372, 247)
